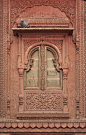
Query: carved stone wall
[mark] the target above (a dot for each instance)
(74, 53)
(20, 8)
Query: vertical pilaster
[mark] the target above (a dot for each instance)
(82, 75)
(8, 61)
(65, 75)
(85, 49)
(21, 70)
(1, 58)
(77, 59)
(4, 56)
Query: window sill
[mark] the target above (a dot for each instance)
(43, 115)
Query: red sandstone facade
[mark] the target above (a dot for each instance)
(49, 106)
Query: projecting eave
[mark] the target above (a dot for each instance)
(18, 31)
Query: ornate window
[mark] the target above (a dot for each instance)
(43, 71)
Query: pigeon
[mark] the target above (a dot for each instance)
(24, 24)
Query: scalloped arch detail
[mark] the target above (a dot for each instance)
(44, 43)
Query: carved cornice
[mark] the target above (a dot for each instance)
(65, 6)
(17, 31)
(71, 126)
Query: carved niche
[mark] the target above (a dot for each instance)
(67, 6)
(44, 86)
(43, 56)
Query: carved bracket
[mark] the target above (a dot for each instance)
(56, 64)
(20, 66)
(29, 66)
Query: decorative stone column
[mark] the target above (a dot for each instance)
(77, 80)
(65, 74)
(21, 70)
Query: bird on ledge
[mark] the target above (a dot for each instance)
(24, 24)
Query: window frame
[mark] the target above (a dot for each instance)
(55, 53)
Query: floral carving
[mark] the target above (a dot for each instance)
(65, 6)
(43, 101)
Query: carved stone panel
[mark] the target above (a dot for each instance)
(43, 101)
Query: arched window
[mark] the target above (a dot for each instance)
(43, 71)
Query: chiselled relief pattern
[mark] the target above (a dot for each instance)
(42, 66)
(78, 61)
(65, 6)
(43, 101)
(82, 87)
(85, 51)
(30, 41)
(4, 88)
(58, 43)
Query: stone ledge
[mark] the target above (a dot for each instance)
(17, 31)
(43, 116)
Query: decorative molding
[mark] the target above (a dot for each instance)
(82, 61)
(22, 126)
